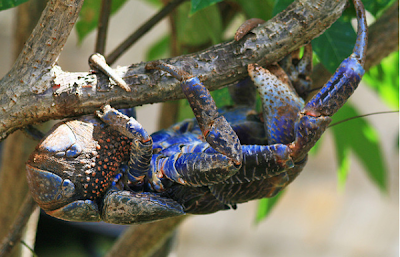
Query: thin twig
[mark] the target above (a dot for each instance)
(103, 26)
(361, 116)
(15, 233)
(114, 55)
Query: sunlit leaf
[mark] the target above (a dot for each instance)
(6, 4)
(384, 79)
(359, 137)
(160, 49)
(89, 16)
(197, 5)
(155, 3)
(261, 9)
(203, 27)
(266, 205)
(376, 6)
(281, 5)
(335, 44)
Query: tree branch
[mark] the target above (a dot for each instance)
(34, 94)
(33, 69)
(15, 233)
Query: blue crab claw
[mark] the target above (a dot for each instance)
(118, 207)
(56, 196)
(127, 207)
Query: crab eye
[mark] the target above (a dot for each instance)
(74, 151)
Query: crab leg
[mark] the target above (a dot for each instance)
(299, 70)
(346, 78)
(215, 129)
(286, 121)
(315, 116)
(281, 104)
(141, 146)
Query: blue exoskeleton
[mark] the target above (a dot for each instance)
(107, 167)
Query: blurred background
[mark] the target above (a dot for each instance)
(313, 218)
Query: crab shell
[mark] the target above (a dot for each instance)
(71, 171)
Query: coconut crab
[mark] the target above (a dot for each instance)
(106, 167)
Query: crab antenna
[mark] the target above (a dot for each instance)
(360, 47)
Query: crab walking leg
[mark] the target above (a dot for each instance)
(315, 116)
(216, 130)
(281, 104)
(195, 169)
(199, 164)
(141, 146)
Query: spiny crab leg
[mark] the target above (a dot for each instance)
(286, 121)
(216, 130)
(346, 78)
(315, 116)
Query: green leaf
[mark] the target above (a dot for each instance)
(362, 139)
(281, 5)
(343, 158)
(266, 205)
(221, 98)
(203, 27)
(336, 44)
(375, 7)
(384, 79)
(89, 16)
(160, 49)
(261, 9)
(197, 5)
(155, 3)
(6, 4)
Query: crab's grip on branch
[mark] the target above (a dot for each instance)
(107, 167)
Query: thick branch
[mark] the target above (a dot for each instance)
(30, 71)
(58, 94)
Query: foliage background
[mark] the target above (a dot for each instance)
(314, 218)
